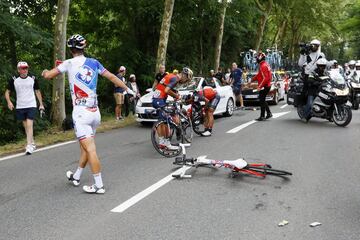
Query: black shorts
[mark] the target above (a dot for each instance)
(237, 90)
(213, 104)
(25, 113)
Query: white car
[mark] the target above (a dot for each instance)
(145, 112)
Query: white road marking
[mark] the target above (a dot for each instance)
(242, 126)
(284, 106)
(277, 115)
(38, 150)
(141, 195)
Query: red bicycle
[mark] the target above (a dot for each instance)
(236, 166)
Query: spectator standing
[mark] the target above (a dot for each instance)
(119, 93)
(227, 76)
(220, 76)
(25, 87)
(135, 88)
(160, 75)
(236, 82)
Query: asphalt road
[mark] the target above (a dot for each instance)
(37, 202)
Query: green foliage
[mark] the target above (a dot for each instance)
(123, 32)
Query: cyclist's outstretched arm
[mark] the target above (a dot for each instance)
(49, 74)
(116, 81)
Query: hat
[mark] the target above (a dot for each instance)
(22, 65)
(122, 68)
(132, 76)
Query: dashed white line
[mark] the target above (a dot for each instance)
(141, 195)
(242, 126)
(284, 106)
(38, 150)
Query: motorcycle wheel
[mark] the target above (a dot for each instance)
(300, 112)
(344, 118)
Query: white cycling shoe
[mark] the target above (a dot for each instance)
(206, 134)
(94, 189)
(165, 143)
(70, 177)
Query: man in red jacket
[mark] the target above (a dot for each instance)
(263, 77)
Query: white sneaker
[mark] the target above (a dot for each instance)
(70, 177)
(206, 134)
(33, 146)
(29, 149)
(94, 189)
(168, 145)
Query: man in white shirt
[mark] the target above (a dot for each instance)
(25, 87)
(83, 77)
(133, 99)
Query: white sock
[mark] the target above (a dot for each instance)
(78, 172)
(98, 180)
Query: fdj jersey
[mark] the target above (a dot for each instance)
(169, 81)
(83, 76)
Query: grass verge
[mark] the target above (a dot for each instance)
(54, 135)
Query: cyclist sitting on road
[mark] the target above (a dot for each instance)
(164, 88)
(211, 99)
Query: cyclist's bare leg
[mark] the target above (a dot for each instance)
(88, 145)
(83, 157)
(206, 119)
(210, 117)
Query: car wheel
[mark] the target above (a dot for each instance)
(229, 108)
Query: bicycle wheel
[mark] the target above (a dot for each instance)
(172, 137)
(198, 124)
(267, 170)
(187, 129)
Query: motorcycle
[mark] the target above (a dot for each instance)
(331, 101)
(354, 86)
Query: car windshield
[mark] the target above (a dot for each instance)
(337, 77)
(192, 85)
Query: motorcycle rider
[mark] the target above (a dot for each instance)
(311, 85)
(308, 59)
(351, 70)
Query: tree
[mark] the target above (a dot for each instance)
(164, 33)
(265, 10)
(58, 94)
(219, 36)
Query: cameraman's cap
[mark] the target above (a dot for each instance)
(315, 42)
(22, 65)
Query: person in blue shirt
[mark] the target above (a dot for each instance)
(119, 93)
(236, 83)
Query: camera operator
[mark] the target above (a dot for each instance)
(309, 54)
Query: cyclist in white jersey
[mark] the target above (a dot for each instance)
(83, 76)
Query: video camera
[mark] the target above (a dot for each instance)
(305, 48)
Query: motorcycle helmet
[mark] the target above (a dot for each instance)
(321, 64)
(352, 64)
(76, 41)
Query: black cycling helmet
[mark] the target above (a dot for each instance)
(76, 41)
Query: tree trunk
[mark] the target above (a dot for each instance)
(260, 32)
(58, 94)
(279, 33)
(201, 53)
(219, 36)
(164, 33)
(12, 47)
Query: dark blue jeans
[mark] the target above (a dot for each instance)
(307, 107)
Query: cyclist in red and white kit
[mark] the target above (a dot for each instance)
(83, 77)
(211, 99)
